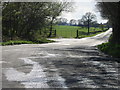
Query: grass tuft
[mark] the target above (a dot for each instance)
(17, 42)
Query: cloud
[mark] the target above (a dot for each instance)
(80, 8)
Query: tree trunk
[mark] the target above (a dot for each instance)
(116, 33)
(51, 24)
(88, 27)
(50, 31)
(116, 27)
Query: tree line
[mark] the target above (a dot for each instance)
(30, 20)
(83, 21)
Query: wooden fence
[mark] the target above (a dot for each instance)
(79, 33)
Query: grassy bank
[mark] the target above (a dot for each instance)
(110, 49)
(17, 42)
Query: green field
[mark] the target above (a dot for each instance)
(71, 31)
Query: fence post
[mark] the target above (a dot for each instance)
(55, 33)
(77, 34)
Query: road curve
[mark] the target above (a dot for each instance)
(66, 63)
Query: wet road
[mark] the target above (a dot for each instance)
(67, 63)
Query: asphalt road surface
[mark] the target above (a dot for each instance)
(66, 63)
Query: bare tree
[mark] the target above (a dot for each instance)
(87, 19)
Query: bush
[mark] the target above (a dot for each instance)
(110, 49)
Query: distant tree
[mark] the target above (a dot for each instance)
(88, 18)
(73, 22)
(110, 11)
(80, 23)
(94, 23)
(61, 21)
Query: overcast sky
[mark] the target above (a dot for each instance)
(80, 8)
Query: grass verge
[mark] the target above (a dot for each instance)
(71, 31)
(110, 49)
(17, 42)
